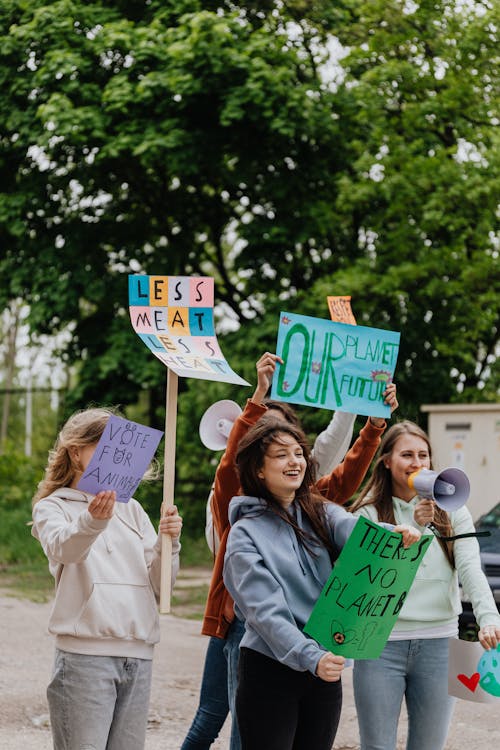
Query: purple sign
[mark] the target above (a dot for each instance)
(120, 459)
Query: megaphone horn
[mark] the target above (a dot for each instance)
(449, 488)
(217, 422)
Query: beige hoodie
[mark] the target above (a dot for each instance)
(107, 575)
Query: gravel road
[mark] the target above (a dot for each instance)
(25, 664)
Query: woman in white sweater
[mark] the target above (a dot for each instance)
(414, 663)
(105, 559)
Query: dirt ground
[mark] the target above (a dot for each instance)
(25, 664)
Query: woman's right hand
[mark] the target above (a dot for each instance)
(330, 667)
(424, 512)
(102, 505)
(265, 366)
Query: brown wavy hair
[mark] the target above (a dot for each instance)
(378, 490)
(249, 461)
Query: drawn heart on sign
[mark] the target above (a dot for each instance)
(471, 682)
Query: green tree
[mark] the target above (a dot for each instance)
(148, 137)
(190, 137)
(419, 200)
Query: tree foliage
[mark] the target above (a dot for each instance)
(291, 150)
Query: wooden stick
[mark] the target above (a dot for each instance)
(168, 488)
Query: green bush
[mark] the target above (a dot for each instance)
(19, 477)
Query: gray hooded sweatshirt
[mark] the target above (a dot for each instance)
(275, 581)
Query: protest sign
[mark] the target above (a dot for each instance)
(473, 673)
(174, 317)
(340, 310)
(334, 365)
(363, 596)
(120, 459)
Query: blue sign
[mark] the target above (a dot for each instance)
(334, 365)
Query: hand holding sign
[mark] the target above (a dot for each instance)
(340, 309)
(473, 674)
(120, 459)
(102, 505)
(362, 598)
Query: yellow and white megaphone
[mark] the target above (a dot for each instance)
(217, 422)
(449, 488)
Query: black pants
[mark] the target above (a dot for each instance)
(279, 708)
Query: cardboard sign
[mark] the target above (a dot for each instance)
(361, 600)
(473, 673)
(120, 459)
(334, 365)
(174, 317)
(340, 310)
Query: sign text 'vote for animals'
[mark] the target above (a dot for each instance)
(174, 317)
(120, 459)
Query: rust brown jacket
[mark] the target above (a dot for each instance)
(337, 487)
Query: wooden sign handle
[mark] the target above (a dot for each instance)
(168, 488)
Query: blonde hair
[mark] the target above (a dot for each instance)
(82, 428)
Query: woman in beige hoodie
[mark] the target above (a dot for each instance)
(105, 559)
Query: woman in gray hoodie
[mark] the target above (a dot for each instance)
(105, 559)
(280, 550)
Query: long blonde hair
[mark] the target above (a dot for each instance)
(82, 428)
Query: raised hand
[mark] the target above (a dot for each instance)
(265, 366)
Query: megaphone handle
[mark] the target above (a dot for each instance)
(465, 536)
(457, 536)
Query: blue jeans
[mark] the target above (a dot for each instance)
(99, 702)
(217, 692)
(232, 653)
(213, 706)
(416, 670)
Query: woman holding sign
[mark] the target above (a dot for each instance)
(105, 558)
(343, 481)
(283, 540)
(414, 663)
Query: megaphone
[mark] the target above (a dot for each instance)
(216, 424)
(450, 488)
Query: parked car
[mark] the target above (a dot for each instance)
(490, 561)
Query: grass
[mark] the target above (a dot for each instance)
(32, 580)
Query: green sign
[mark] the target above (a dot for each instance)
(361, 600)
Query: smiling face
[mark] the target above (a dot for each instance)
(283, 468)
(410, 453)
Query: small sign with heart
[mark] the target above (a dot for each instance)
(465, 680)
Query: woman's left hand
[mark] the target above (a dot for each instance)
(171, 522)
(409, 533)
(489, 636)
(391, 400)
(390, 397)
